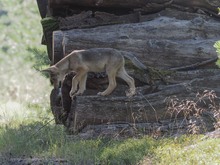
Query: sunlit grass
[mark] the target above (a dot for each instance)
(29, 140)
(189, 151)
(21, 30)
(20, 27)
(13, 114)
(128, 151)
(23, 84)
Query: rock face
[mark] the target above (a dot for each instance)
(173, 38)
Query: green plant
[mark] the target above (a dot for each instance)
(187, 150)
(217, 46)
(129, 151)
(20, 49)
(39, 58)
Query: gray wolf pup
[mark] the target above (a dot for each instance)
(95, 60)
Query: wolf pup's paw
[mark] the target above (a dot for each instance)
(101, 94)
(130, 92)
(79, 93)
(72, 93)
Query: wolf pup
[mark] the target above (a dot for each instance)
(95, 60)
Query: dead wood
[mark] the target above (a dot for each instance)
(147, 106)
(89, 19)
(176, 44)
(210, 5)
(163, 42)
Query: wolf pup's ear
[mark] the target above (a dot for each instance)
(51, 70)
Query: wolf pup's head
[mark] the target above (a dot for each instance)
(55, 75)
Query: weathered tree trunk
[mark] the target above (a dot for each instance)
(147, 106)
(91, 19)
(163, 42)
(182, 47)
(174, 38)
(150, 4)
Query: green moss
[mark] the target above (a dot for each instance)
(50, 24)
(152, 73)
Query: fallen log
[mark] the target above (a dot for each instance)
(42, 6)
(179, 45)
(170, 127)
(103, 3)
(149, 105)
(163, 42)
(207, 5)
(210, 5)
(93, 19)
(145, 107)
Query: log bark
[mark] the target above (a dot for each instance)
(179, 45)
(210, 5)
(149, 105)
(42, 6)
(143, 108)
(93, 19)
(164, 42)
(103, 3)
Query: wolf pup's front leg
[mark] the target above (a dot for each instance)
(74, 87)
(82, 86)
(80, 78)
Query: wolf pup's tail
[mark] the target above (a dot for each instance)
(134, 60)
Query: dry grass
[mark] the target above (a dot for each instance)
(201, 113)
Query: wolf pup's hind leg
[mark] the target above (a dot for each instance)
(129, 80)
(112, 82)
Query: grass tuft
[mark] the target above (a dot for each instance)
(190, 150)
